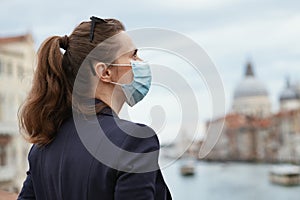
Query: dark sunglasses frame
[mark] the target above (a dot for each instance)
(94, 21)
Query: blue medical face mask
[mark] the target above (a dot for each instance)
(140, 85)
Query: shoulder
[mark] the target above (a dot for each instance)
(139, 150)
(141, 139)
(135, 137)
(135, 146)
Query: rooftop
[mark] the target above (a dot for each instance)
(13, 39)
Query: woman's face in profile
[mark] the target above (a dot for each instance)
(128, 52)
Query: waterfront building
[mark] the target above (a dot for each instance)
(16, 69)
(252, 132)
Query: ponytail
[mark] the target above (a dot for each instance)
(49, 101)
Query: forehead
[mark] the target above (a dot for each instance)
(125, 43)
(113, 48)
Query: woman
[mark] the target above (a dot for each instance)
(97, 73)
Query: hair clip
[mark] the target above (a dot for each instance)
(94, 21)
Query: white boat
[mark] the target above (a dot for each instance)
(288, 175)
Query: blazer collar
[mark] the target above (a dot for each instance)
(106, 110)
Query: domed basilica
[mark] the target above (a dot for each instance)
(251, 96)
(251, 131)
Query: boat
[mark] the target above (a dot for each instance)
(187, 167)
(287, 175)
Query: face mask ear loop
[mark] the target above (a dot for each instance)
(116, 83)
(120, 65)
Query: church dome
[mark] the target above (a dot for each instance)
(250, 86)
(296, 88)
(289, 93)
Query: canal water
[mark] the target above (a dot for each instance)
(219, 181)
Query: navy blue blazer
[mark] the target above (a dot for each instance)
(65, 169)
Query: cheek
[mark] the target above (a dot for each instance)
(126, 76)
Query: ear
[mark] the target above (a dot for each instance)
(103, 72)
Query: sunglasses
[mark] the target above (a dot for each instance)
(94, 21)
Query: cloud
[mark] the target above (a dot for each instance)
(253, 35)
(195, 4)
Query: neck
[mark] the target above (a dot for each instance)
(115, 102)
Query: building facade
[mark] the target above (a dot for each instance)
(16, 69)
(252, 132)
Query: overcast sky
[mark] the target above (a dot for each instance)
(230, 31)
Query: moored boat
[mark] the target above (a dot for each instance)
(287, 175)
(187, 167)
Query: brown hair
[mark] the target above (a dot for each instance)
(49, 102)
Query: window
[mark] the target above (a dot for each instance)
(2, 155)
(1, 66)
(20, 71)
(1, 106)
(9, 68)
